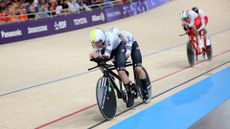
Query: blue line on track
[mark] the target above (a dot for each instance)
(185, 108)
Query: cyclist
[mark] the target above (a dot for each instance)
(192, 21)
(133, 50)
(106, 46)
(204, 21)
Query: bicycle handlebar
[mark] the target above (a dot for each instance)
(108, 66)
(183, 34)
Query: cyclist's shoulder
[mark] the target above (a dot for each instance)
(126, 33)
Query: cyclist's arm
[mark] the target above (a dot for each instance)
(128, 41)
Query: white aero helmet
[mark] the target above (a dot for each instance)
(115, 30)
(96, 36)
(184, 15)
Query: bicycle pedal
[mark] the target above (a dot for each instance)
(135, 94)
(146, 97)
(119, 95)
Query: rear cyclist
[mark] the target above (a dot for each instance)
(133, 50)
(106, 46)
(204, 22)
(191, 20)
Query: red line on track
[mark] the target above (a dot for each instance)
(54, 121)
(79, 111)
(170, 74)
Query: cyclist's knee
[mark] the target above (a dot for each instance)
(140, 72)
(122, 72)
(204, 31)
(138, 69)
(123, 75)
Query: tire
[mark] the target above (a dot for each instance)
(209, 52)
(106, 98)
(140, 87)
(190, 54)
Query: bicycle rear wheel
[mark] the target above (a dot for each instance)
(139, 85)
(209, 52)
(106, 98)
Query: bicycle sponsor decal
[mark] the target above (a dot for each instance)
(103, 93)
(37, 29)
(10, 34)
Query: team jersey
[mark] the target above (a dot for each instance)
(112, 41)
(129, 39)
(202, 16)
(192, 15)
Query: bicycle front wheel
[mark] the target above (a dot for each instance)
(190, 54)
(106, 98)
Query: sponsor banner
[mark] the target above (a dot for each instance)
(48, 26)
(150, 4)
(11, 33)
(60, 24)
(98, 17)
(36, 28)
(114, 13)
(134, 8)
(87, 19)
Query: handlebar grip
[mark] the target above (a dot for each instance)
(92, 68)
(183, 34)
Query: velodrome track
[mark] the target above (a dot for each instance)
(44, 82)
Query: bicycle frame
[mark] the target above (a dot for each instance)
(108, 72)
(194, 40)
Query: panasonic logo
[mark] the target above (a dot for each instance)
(11, 33)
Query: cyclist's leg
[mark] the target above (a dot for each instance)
(197, 34)
(208, 41)
(137, 60)
(137, 64)
(120, 61)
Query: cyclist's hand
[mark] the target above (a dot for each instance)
(183, 23)
(93, 55)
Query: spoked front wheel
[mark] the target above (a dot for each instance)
(141, 90)
(190, 54)
(106, 98)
